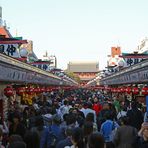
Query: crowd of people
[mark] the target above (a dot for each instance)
(75, 119)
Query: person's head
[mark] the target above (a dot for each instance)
(90, 117)
(19, 144)
(77, 137)
(95, 100)
(96, 140)
(108, 116)
(124, 108)
(71, 119)
(56, 119)
(145, 130)
(75, 111)
(15, 138)
(16, 118)
(106, 105)
(65, 102)
(124, 120)
(89, 105)
(87, 128)
(32, 139)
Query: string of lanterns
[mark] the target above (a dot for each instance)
(134, 90)
(9, 90)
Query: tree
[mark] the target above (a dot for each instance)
(73, 76)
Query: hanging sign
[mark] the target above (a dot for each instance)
(10, 49)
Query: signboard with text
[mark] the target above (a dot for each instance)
(132, 59)
(10, 49)
(42, 65)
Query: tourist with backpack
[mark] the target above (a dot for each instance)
(52, 134)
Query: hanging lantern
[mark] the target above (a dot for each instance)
(20, 91)
(36, 90)
(123, 89)
(29, 90)
(42, 89)
(119, 90)
(135, 91)
(48, 89)
(113, 90)
(145, 90)
(8, 91)
(128, 90)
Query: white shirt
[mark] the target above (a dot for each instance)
(121, 114)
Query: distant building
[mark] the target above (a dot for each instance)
(115, 51)
(85, 70)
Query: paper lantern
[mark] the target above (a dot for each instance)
(8, 91)
(128, 90)
(135, 91)
(30, 90)
(20, 91)
(145, 90)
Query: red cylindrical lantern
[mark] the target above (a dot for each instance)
(20, 90)
(8, 91)
(119, 90)
(116, 90)
(145, 90)
(30, 90)
(128, 90)
(135, 91)
(113, 90)
(123, 89)
(42, 89)
(48, 89)
(37, 90)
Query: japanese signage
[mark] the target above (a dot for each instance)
(42, 65)
(132, 59)
(10, 50)
(134, 77)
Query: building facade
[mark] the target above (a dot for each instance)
(86, 71)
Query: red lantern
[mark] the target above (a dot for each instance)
(135, 91)
(36, 90)
(20, 90)
(119, 90)
(8, 91)
(123, 89)
(128, 90)
(30, 90)
(42, 89)
(48, 89)
(145, 90)
(113, 90)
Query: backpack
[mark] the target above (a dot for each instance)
(53, 138)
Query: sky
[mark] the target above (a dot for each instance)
(83, 30)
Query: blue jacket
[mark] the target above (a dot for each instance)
(106, 129)
(45, 140)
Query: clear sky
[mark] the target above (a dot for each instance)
(78, 29)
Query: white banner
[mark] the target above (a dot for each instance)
(10, 50)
